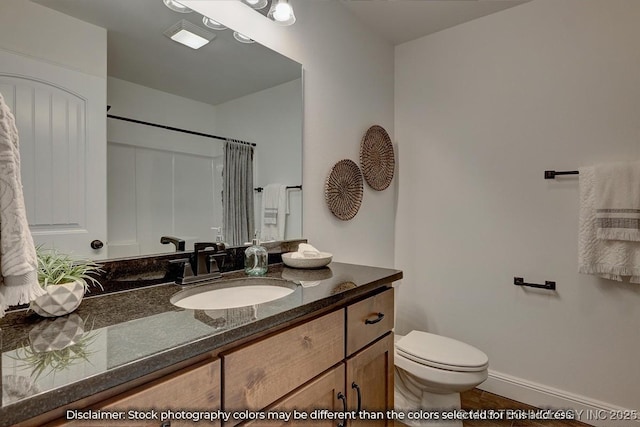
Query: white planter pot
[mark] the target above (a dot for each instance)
(59, 299)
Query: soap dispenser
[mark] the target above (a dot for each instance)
(255, 258)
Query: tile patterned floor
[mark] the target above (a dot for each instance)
(477, 399)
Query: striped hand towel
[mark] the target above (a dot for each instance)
(617, 194)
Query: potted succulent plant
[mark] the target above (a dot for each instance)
(65, 280)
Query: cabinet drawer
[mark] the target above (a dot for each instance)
(192, 389)
(369, 319)
(261, 373)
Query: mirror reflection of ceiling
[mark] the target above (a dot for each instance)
(218, 72)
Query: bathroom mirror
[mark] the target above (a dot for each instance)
(163, 182)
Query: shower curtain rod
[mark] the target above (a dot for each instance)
(190, 132)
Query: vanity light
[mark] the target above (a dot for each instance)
(282, 12)
(256, 4)
(189, 34)
(242, 38)
(176, 7)
(214, 25)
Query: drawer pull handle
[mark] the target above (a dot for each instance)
(357, 387)
(379, 317)
(166, 424)
(342, 397)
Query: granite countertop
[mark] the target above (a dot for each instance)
(115, 338)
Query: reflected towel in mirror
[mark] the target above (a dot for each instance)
(273, 213)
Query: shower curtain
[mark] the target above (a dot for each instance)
(237, 199)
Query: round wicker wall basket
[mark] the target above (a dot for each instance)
(343, 189)
(376, 158)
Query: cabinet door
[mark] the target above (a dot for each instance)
(370, 382)
(190, 391)
(325, 392)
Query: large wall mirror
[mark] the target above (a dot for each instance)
(161, 181)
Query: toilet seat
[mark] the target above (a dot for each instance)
(441, 352)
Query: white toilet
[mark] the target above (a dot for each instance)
(430, 373)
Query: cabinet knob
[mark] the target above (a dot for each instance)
(97, 244)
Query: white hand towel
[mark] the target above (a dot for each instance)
(274, 211)
(617, 194)
(609, 259)
(305, 250)
(18, 262)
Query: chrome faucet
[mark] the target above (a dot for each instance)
(203, 263)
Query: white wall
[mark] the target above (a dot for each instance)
(272, 119)
(160, 182)
(142, 103)
(52, 36)
(482, 109)
(348, 86)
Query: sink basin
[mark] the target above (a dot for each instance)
(233, 293)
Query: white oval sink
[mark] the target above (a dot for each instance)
(233, 293)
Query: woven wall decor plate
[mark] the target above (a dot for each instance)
(376, 158)
(343, 189)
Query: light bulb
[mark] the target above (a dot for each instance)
(282, 12)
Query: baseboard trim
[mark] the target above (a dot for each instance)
(594, 412)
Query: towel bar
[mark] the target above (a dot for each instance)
(289, 187)
(552, 174)
(519, 281)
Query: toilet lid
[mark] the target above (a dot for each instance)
(441, 352)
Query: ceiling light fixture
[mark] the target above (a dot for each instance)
(189, 34)
(214, 25)
(282, 12)
(256, 4)
(242, 38)
(176, 7)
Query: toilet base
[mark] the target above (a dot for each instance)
(426, 407)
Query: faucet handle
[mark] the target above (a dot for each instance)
(199, 246)
(185, 263)
(216, 262)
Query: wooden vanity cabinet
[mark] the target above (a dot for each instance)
(363, 379)
(340, 361)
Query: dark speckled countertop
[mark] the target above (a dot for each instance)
(115, 338)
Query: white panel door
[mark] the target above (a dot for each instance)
(61, 119)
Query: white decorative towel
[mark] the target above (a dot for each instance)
(274, 212)
(617, 193)
(305, 250)
(18, 262)
(609, 259)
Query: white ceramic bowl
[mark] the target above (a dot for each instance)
(321, 260)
